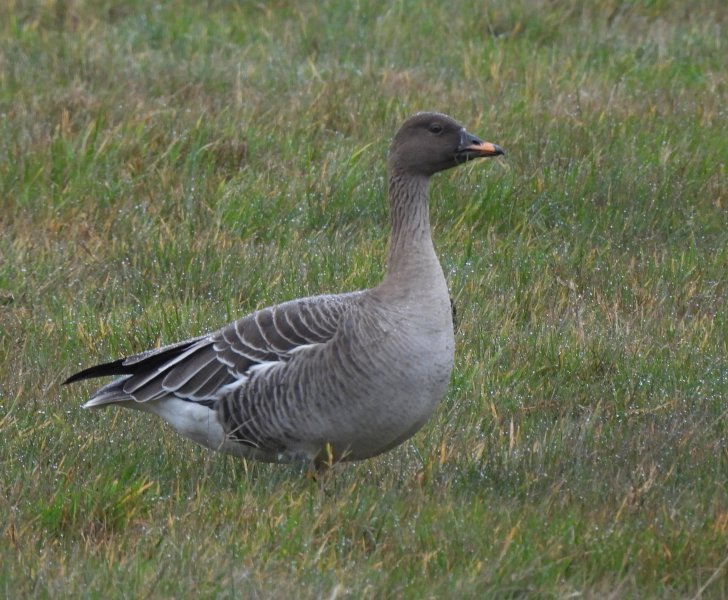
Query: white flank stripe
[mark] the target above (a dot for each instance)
(194, 421)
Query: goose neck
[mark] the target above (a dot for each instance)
(411, 241)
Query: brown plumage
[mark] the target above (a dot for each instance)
(333, 377)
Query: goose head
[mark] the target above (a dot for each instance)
(430, 142)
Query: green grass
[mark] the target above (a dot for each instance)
(166, 167)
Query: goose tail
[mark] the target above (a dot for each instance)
(111, 393)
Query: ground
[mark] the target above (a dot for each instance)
(166, 167)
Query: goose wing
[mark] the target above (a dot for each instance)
(197, 369)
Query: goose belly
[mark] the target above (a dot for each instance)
(363, 393)
(385, 383)
(404, 396)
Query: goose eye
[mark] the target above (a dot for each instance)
(435, 128)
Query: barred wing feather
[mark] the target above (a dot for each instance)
(196, 370)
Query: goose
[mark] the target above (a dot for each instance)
(326, 378)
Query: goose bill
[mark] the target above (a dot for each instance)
(483, 149)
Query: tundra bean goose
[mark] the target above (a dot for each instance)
(332, 377)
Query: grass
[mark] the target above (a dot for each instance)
(165, 167)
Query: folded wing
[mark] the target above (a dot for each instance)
(197, 369)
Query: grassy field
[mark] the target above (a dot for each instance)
(166, 167)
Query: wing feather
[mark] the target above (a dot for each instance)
(282, 323)
(266, 325)
(195, 362)
(197, 369)
(206, 383)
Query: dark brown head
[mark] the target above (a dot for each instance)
(430, 142)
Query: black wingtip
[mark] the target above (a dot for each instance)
(113, 368)
(133, 364)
